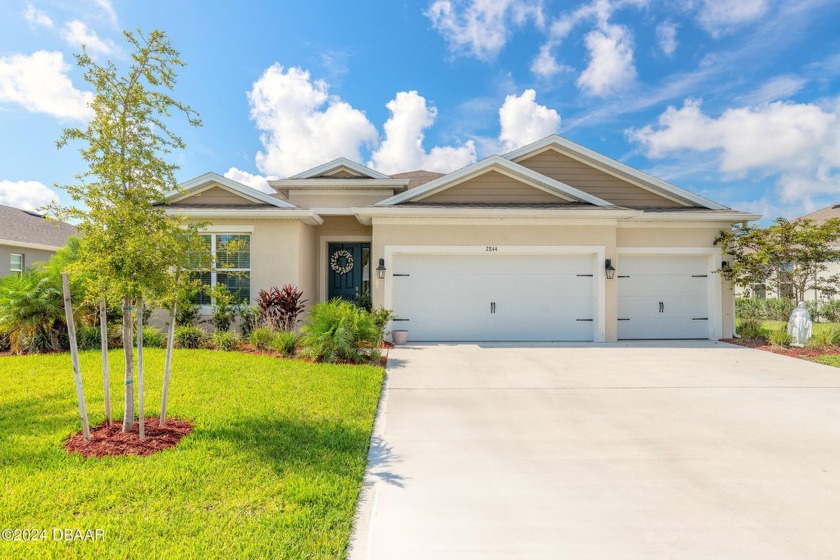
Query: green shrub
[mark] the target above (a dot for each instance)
(830, 311)
(32, 312)
(285, 342)
(750, 309)
(88, 337)
(153, 337)
(224, 340)
(824, 338)
(751, 330)
(249, 316)
(780, 338)
(189, 336)
(339, 331)
(261, 338)
(778, 309)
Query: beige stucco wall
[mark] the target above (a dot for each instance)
(337, 199)
(607, 235)
(30, 257)
(276, 250)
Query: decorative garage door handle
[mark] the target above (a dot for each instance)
(492, 307)
(662, 307)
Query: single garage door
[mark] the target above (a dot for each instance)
(495, 297)
(663, 297)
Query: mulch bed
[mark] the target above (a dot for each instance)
(803, 353)
(110, 441)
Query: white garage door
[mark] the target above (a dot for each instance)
(661, 297)
(494, 297)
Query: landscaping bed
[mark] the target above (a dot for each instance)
(272, 468)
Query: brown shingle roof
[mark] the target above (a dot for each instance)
(417, 178)
(30, 227)
(824, 214)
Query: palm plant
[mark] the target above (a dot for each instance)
(32, 311)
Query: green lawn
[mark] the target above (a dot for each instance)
(272, 470)
(828, 359)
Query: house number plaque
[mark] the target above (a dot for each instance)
(491, 249)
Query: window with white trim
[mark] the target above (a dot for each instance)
(17, 263)
(231, 266)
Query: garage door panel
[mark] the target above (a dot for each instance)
(537, 297)
(663, 297)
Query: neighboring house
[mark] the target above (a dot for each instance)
(28, 237)
(763, 291)
(514, 247)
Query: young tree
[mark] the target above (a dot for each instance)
(787, 253)
(129, 243)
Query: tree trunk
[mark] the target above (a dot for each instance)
(168, 365)
(128, 344)
(74, 354)
(140, 410)
(103, 330)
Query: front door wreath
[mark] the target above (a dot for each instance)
(335, 261)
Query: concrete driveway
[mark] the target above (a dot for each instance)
(652, 450)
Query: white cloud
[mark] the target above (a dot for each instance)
(108, 9)
(39, 82)
(722, 16)
(258, 182)
(27, 195)
(481, 28)
(303, 126)
(523, 120)
(779, 87)
(798, 141)
(666, 37)
(37, 17)
(76, 34)
(402, 149)
(545, 64)
(611, 65)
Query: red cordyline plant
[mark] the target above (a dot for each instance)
(280, 308)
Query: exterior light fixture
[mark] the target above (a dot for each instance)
(610, 269)
(380, 270)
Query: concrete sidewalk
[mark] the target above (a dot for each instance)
(648, 450)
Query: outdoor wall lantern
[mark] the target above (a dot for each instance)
(610, 269)
(380, 270)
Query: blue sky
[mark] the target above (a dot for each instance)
(738, 100)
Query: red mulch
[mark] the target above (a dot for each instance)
(803, 353)
(111, 441)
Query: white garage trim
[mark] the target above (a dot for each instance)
(713, 284)
(598, 253)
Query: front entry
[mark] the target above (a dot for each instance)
(348, 270)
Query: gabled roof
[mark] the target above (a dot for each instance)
(24, 228)
(502, 165)
(613, 167)
(211, 180)
(823, 214)
(337, 164)
(419, 177)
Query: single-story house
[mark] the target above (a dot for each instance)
(549, 242)
(27, 237)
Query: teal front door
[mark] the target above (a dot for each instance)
(348, 270)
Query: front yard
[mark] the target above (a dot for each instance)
(822, 347)
(272, 470)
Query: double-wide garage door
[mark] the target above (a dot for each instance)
(497, 297)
